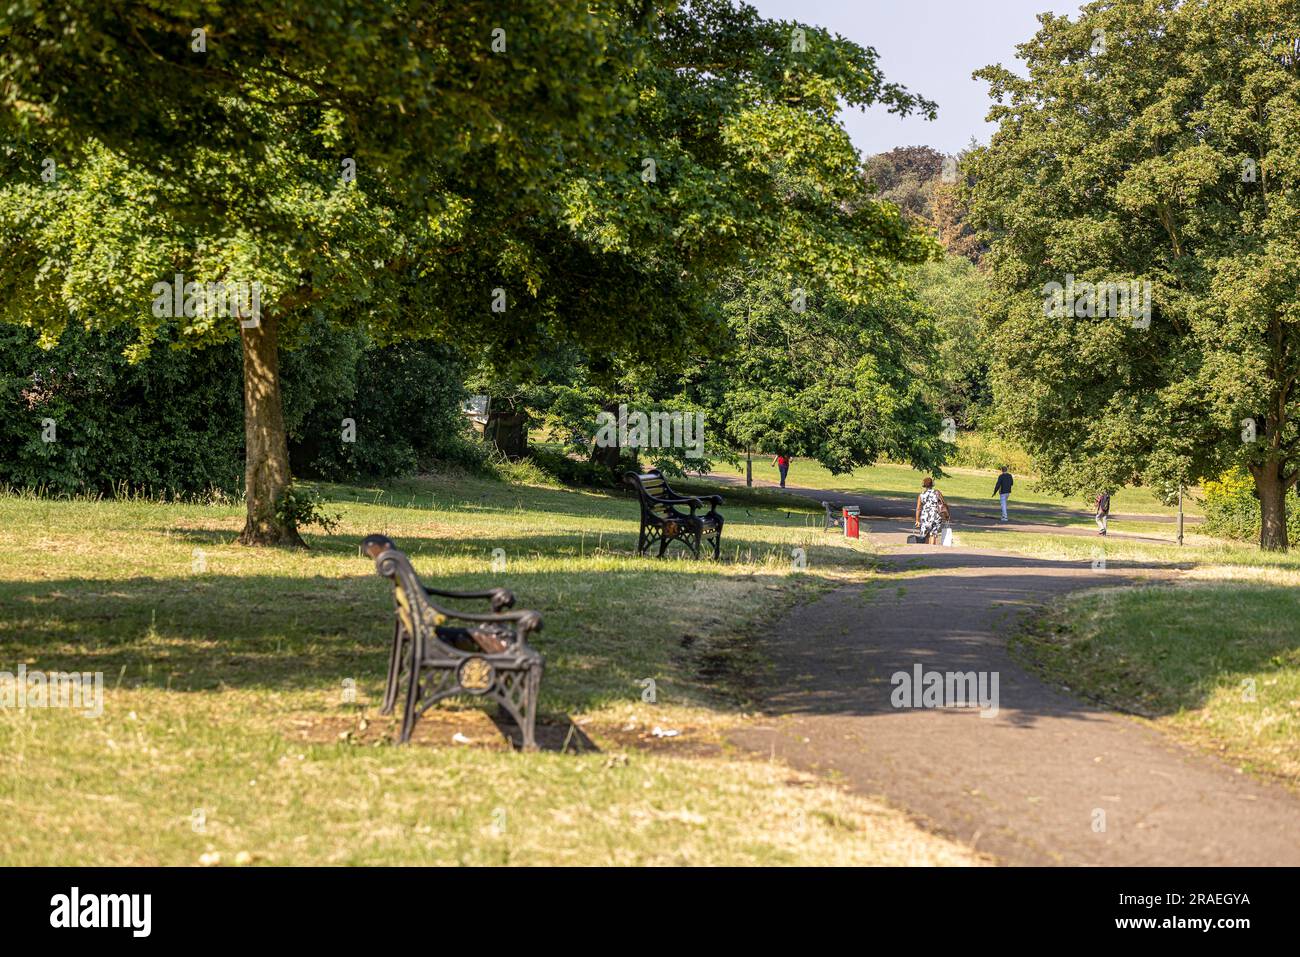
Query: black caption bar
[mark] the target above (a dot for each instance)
(337, 907)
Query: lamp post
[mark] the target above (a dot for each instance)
(1180, 513)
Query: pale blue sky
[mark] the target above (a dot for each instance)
(931, 47)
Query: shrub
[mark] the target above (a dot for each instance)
(981, 450)
(568, 470)
(1232, 508)
(299, 507)
(403, 402)
(172, 424)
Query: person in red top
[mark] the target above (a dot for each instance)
(782, 462)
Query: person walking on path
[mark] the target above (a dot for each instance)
(1103, 511)
(931, 512)
(782, 462)
(1002, 489)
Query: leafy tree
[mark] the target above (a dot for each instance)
(811, 376)
(770, 180)
(823, 378)
(904, 176)
(912, 178)
(950, 217)
(740, 159)
(956, 381)
(1151, 142)
(500, 159)
(216, 139)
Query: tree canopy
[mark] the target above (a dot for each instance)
(518, 181)
(1157, 143)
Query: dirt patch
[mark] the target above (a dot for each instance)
(437, 728)
(478, 728)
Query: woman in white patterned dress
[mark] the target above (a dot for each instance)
(931, 512)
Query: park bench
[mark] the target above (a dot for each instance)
(489, 656)
(663, 522)
(834, 515)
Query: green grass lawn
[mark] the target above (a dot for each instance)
(968, 487)
(227, 730)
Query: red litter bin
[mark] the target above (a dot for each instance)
(851, 521)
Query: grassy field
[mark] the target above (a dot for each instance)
(228, 735)
(967, 487)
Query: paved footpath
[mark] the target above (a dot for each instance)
(1029, 785)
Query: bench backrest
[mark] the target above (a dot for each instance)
(650, 486)
(414, 611)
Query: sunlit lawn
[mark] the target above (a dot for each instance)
(967, 487)
(227, 728)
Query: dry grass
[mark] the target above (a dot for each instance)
(225, 730)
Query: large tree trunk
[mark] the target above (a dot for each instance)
(508, 432)
(610, 456)
(1272, 505)
(266, 447)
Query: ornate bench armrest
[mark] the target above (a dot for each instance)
(501, 597)
(713, 501)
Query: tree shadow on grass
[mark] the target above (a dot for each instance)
(485, 499)
(604, 632)
(736, 553)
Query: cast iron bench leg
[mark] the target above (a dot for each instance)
(530, 708)
(412, 701)
(394, 670)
